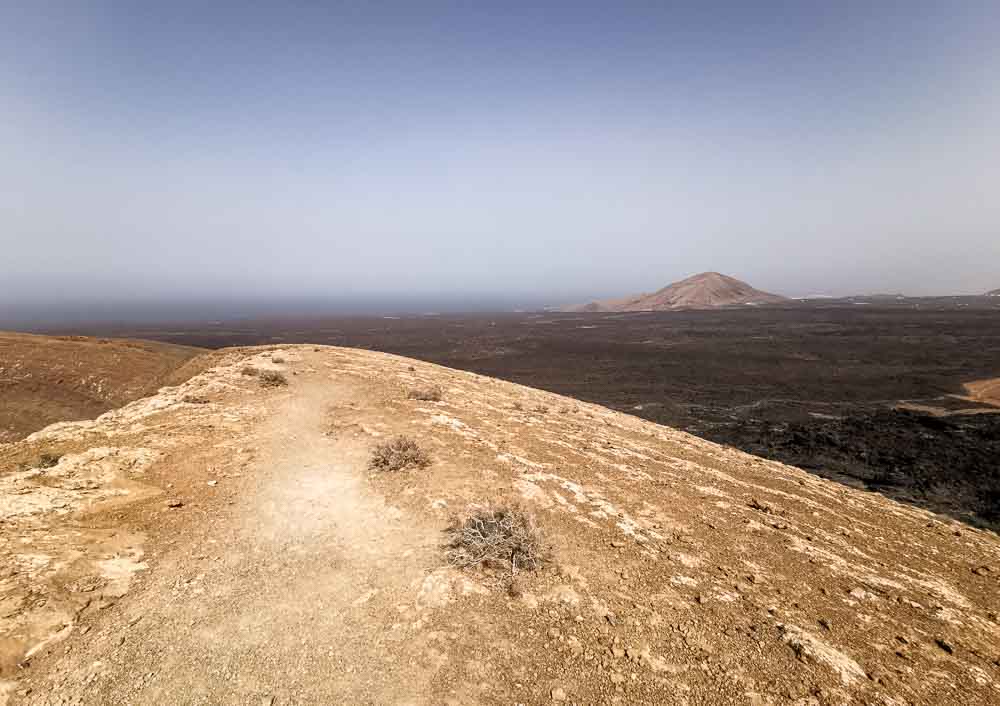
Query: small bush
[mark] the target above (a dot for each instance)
(48, 460)
(398, 453)
(272, 378)
(249, 371)
(430, 393)
(503, 537)
(277, 359)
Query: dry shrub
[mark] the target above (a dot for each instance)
(428, 393)
(272, 378)
(398, 453)
(48, 460)
(503, 537)
(195, 399)
(249, 371)
(277, 359)
(542, 409)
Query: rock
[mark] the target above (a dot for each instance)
(213, 483)
(558, 694)
(809, 647)
(175, 503)
(945, 645)
(617, 678)
(859, 594)
(825, 624)
(616, 544)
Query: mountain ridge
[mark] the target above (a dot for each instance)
(227, 523)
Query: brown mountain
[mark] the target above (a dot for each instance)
(709, 290)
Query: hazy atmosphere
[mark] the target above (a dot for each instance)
(491, 353)
(519, 153)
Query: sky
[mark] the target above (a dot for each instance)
(488, 151)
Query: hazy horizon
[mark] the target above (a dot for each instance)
(523, 154)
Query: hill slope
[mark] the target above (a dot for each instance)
(45, 379)
(708, 290)
(225, 543)
(994, 293)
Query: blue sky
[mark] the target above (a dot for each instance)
(550, 150)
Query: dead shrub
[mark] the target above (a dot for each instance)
(195, 399)
(428, 393)
(277, 359)
(272, 378)
(48, 460)
(249, 371)
(503, 537)
(398, 453)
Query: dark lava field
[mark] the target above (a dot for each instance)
(870, 395)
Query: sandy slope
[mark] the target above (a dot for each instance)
(685, 572)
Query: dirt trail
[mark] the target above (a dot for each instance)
(277, 600)
(224, 543)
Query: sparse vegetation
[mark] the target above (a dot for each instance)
(426, 393)
(249, 371)
(499, 537)
(48, 460)
(277, 359)
(272, 378)
(195, 399)
(398, 453)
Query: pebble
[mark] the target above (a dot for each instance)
(558, 694)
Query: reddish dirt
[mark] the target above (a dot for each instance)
(45, 379)
(987, 391)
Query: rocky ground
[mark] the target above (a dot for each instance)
(223, 542)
